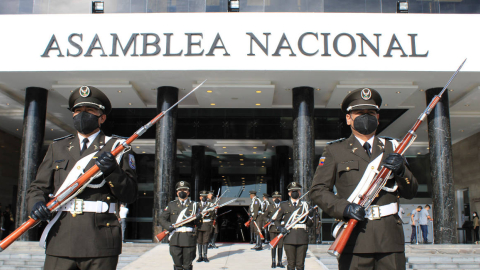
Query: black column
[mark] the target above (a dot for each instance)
(441, 169)
(165, 153)
(303, 136)
(198, 170)
(282, 169)
(208, 173)
(303, 141)
(32, 140)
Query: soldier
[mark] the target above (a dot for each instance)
(265, 205)
(182, 239)
(254, 212)
(377, 242)
(89, 237)
(272, 213)
(296, 240)
(215, 223)
(205, 227)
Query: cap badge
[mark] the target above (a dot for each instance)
(84, 91)
(182, 183)
(294, 184)
(366, 94)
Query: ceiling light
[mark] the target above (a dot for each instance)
(263, 162)
(218, 157)
(264, 157)
(241, 164)
(466, 105)
(398, 92)
(225, 152)
(421, 90)
(213, 104)
(254, 147)
(241, 159)
(258, 104)
(181, 162)
(385, 105)
(52, 129)
(221, 166)
(243, 177)
(224, 147)
(8, 104)
(419, 153)
(138, 147)
(451, 90)
(428, 148)
(289, 158)
(460, 130)
(143, 152)
(220, 161)
(254, 152)
(119, 91)
(223, 175)
(263, 166)
(98, 7)
(130, 104)
(209, 91)
(318, 89)
(258, 91)
(17, 129)
(240, 154)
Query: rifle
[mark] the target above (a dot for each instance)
(382, 176)
(81, 183)
(274, 241)
(270, 222)
(162, 235)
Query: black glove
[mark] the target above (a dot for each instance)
(171, 229)
(396, 163)
(40, 211)
(199, 215)
(354, 211)
(107, 163)
(282, 230)
(311, 213)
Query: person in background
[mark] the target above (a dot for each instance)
(476, 226)
(423, 219)
(7, 222)
(123, 219)
(414, 223)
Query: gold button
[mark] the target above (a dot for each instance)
(74, 215)
(110, 183)
(406, 178)
(108, 224)
(348, 168)
(108, 198)
(57, 167)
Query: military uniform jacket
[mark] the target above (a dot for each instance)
(295, 236)
(254, 208)
(271, 210)
(206, 226)
(88, 234)
(169, 217)
(343, 165)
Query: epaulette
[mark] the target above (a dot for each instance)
(336, 141)
(388, 138)
(68, 136)
(119, 137)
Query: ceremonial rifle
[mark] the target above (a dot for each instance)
(162, 235)
(382, 176)
(274, 241)
(81, 183)
(270, 222)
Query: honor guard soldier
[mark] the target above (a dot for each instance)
(204, 229)
(85, 233)
(295, 241)
(182, 239)
(215, 223)
(272, 213)
(255, 212)
(265, 205)
(377, 242)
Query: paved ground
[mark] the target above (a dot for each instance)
(227, 256)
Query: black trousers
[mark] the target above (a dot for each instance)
(295, 255)
(390, 261)
(66, 263)
(183, 256)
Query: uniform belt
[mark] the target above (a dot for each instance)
(207, 220)
(260, 212)
(299, 226)
(78, 206)
(184, 229)
(377, 212)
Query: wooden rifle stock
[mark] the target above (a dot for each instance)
(274, 241)
(161, 235)
(247, 224)
(259, 231)
(266, 225)
(343, 235)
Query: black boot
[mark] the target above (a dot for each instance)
(280, 256)
(200, 253)
(177, 267)
(190, 267)
(205, 249)
(274, 253)
(259, 243)
(290, 268)
(214, 239)
(256, 242)
(300, 268)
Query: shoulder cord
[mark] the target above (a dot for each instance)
(295, 214)
(118, 158)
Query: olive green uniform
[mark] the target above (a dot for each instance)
(182, 243)
(342, 165)
(295, 242)
(93, 238)
(206, 226)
